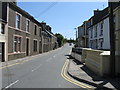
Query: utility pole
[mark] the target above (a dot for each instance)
(112, 40)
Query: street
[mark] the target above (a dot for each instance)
(42, 71)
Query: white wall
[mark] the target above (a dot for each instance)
(105, 36)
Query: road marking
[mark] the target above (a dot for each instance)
(11, 84)
(63, 74)
(23, 61)
(37, 68)
(9, 65)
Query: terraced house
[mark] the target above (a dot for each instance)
(24, 35)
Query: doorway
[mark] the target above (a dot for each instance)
(2, 51)
(27, 47)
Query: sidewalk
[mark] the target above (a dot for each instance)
(79, 71)
(20, 60)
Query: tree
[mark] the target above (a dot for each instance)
(60, 39)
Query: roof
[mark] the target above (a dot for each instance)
(24, 13)
(102, 14)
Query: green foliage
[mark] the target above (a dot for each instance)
(60, 39)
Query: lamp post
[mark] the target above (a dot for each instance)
(76, 35)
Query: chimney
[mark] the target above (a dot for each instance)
(96, 11)
(48, 28)
(43, 25)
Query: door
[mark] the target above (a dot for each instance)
(40, 47)
(27, 47)
(2, 52)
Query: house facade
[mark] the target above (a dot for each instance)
(3, 24)
(99, 37)
(24, 35)
(83, 35)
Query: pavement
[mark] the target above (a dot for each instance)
(80, 72)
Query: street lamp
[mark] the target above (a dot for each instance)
(76, 35)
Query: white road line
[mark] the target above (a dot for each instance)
(11, 84)
(37, 68)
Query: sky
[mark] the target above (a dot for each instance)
(63, 17)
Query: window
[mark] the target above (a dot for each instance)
(101, 28)
(18, 21)
(35, 32)
(40, 31)
(96, 31)
(91, 32)
(101, 43)
(17, 44)
(96, 44)
(2, 28)
(27, 25)
(35, 45)
(114, 21)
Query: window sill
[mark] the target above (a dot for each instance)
(16, 53)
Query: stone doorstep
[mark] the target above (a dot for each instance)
(75, 71)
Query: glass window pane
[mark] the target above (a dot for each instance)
(18, 21)
(19, 44)
(15, 44)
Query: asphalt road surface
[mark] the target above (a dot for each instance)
(42, 71)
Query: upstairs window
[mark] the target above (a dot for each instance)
(35, 31)
(114, 21)
(91, 32)
(101, 29)
(95, 31)
(27, 25)
(40, 31)
(18, 21)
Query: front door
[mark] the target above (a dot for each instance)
(27, 47)
(2, 52)
(40, 47)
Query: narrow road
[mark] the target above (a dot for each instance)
(42, 71)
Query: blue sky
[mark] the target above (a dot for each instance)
(63, 17)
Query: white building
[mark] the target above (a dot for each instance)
(99, 37)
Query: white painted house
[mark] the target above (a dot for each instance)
(99, 37)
